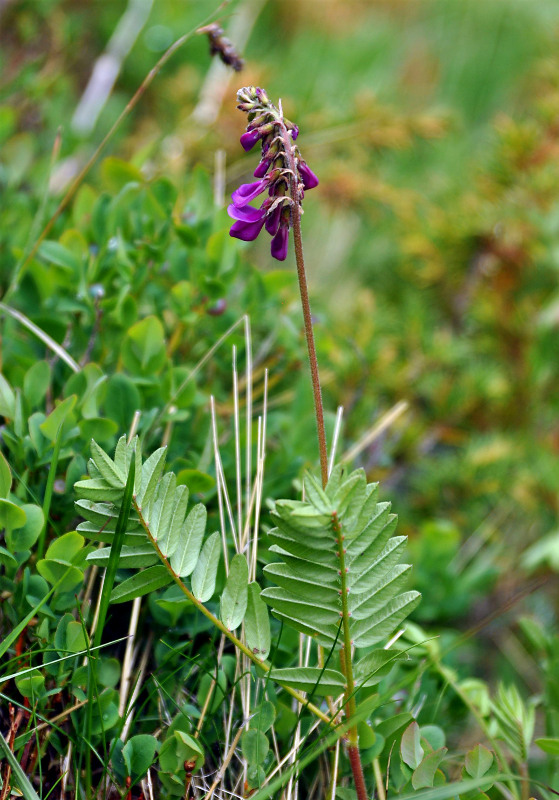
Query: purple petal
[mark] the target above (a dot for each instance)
(247, 192)
(249, 139)
(246, 213)
(294, 132)
(247, 231)
(261, 169)
(307, 176)
(279, 244)
(273, 220)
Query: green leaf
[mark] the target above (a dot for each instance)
(25, 537)
(295, 581)
(410, 749)
(311, 613)
(138, 754)
(99, 428)
(7, 399)
(134, 557)
(97, 491)
(56, 253)
(160, 510)
(56, 419)
(122, 400)
(178, 748)
(75, 637)
(108, 672)
(233, 602)
(107, 467)
(478, 761)
(424, 775)
(197, 482)
(142, 583)
(31, 685)
(59, 564)
(375, 666)
(12, 516)
(255, 746)
(433, 735)
(36, 382)
(263, 717)
(152, 470)
(143, 348)
(5, 476)
(548, 745)
(311, 679)
(365, 632)
(257, 623)
(186, 555)
(105, 711)
(6, 558)
(315, 494)
(205, 571)
(65, 547)
(170, 537)
(117, 173)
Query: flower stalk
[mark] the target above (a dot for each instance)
(285, 175)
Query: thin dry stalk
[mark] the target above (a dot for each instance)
(377, 430)
(337, 429)
(238, 464)
(128, 662)
(225, 764)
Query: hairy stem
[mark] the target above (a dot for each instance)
(347, 668)
(305, 303)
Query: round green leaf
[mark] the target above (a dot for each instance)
(36, 382)
(255, 746)
(122, 400)
(143, 348)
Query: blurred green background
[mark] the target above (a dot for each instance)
(432, 245)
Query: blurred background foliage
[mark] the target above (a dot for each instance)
(432, 245)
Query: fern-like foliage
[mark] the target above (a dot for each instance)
(159, 528)
(339, 540)
(166, 542)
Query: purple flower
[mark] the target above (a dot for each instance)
(246, 213)
(273, 220)
(247, 192)
(262, 168)
(280, 163)
(249, 139)
(279, 243)
(307, 176)
(247, 231)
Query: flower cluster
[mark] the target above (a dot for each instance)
(281, 172)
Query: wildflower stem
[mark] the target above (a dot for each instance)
(305, 303)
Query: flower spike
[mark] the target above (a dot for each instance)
(281, 171)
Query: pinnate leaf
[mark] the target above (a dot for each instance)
(311, 679)
(187, 552)
(235, 595)
(205, 571)
(141, 583)
(257, 623)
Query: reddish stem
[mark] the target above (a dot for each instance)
(357, 770)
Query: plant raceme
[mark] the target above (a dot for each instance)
(281, 172)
